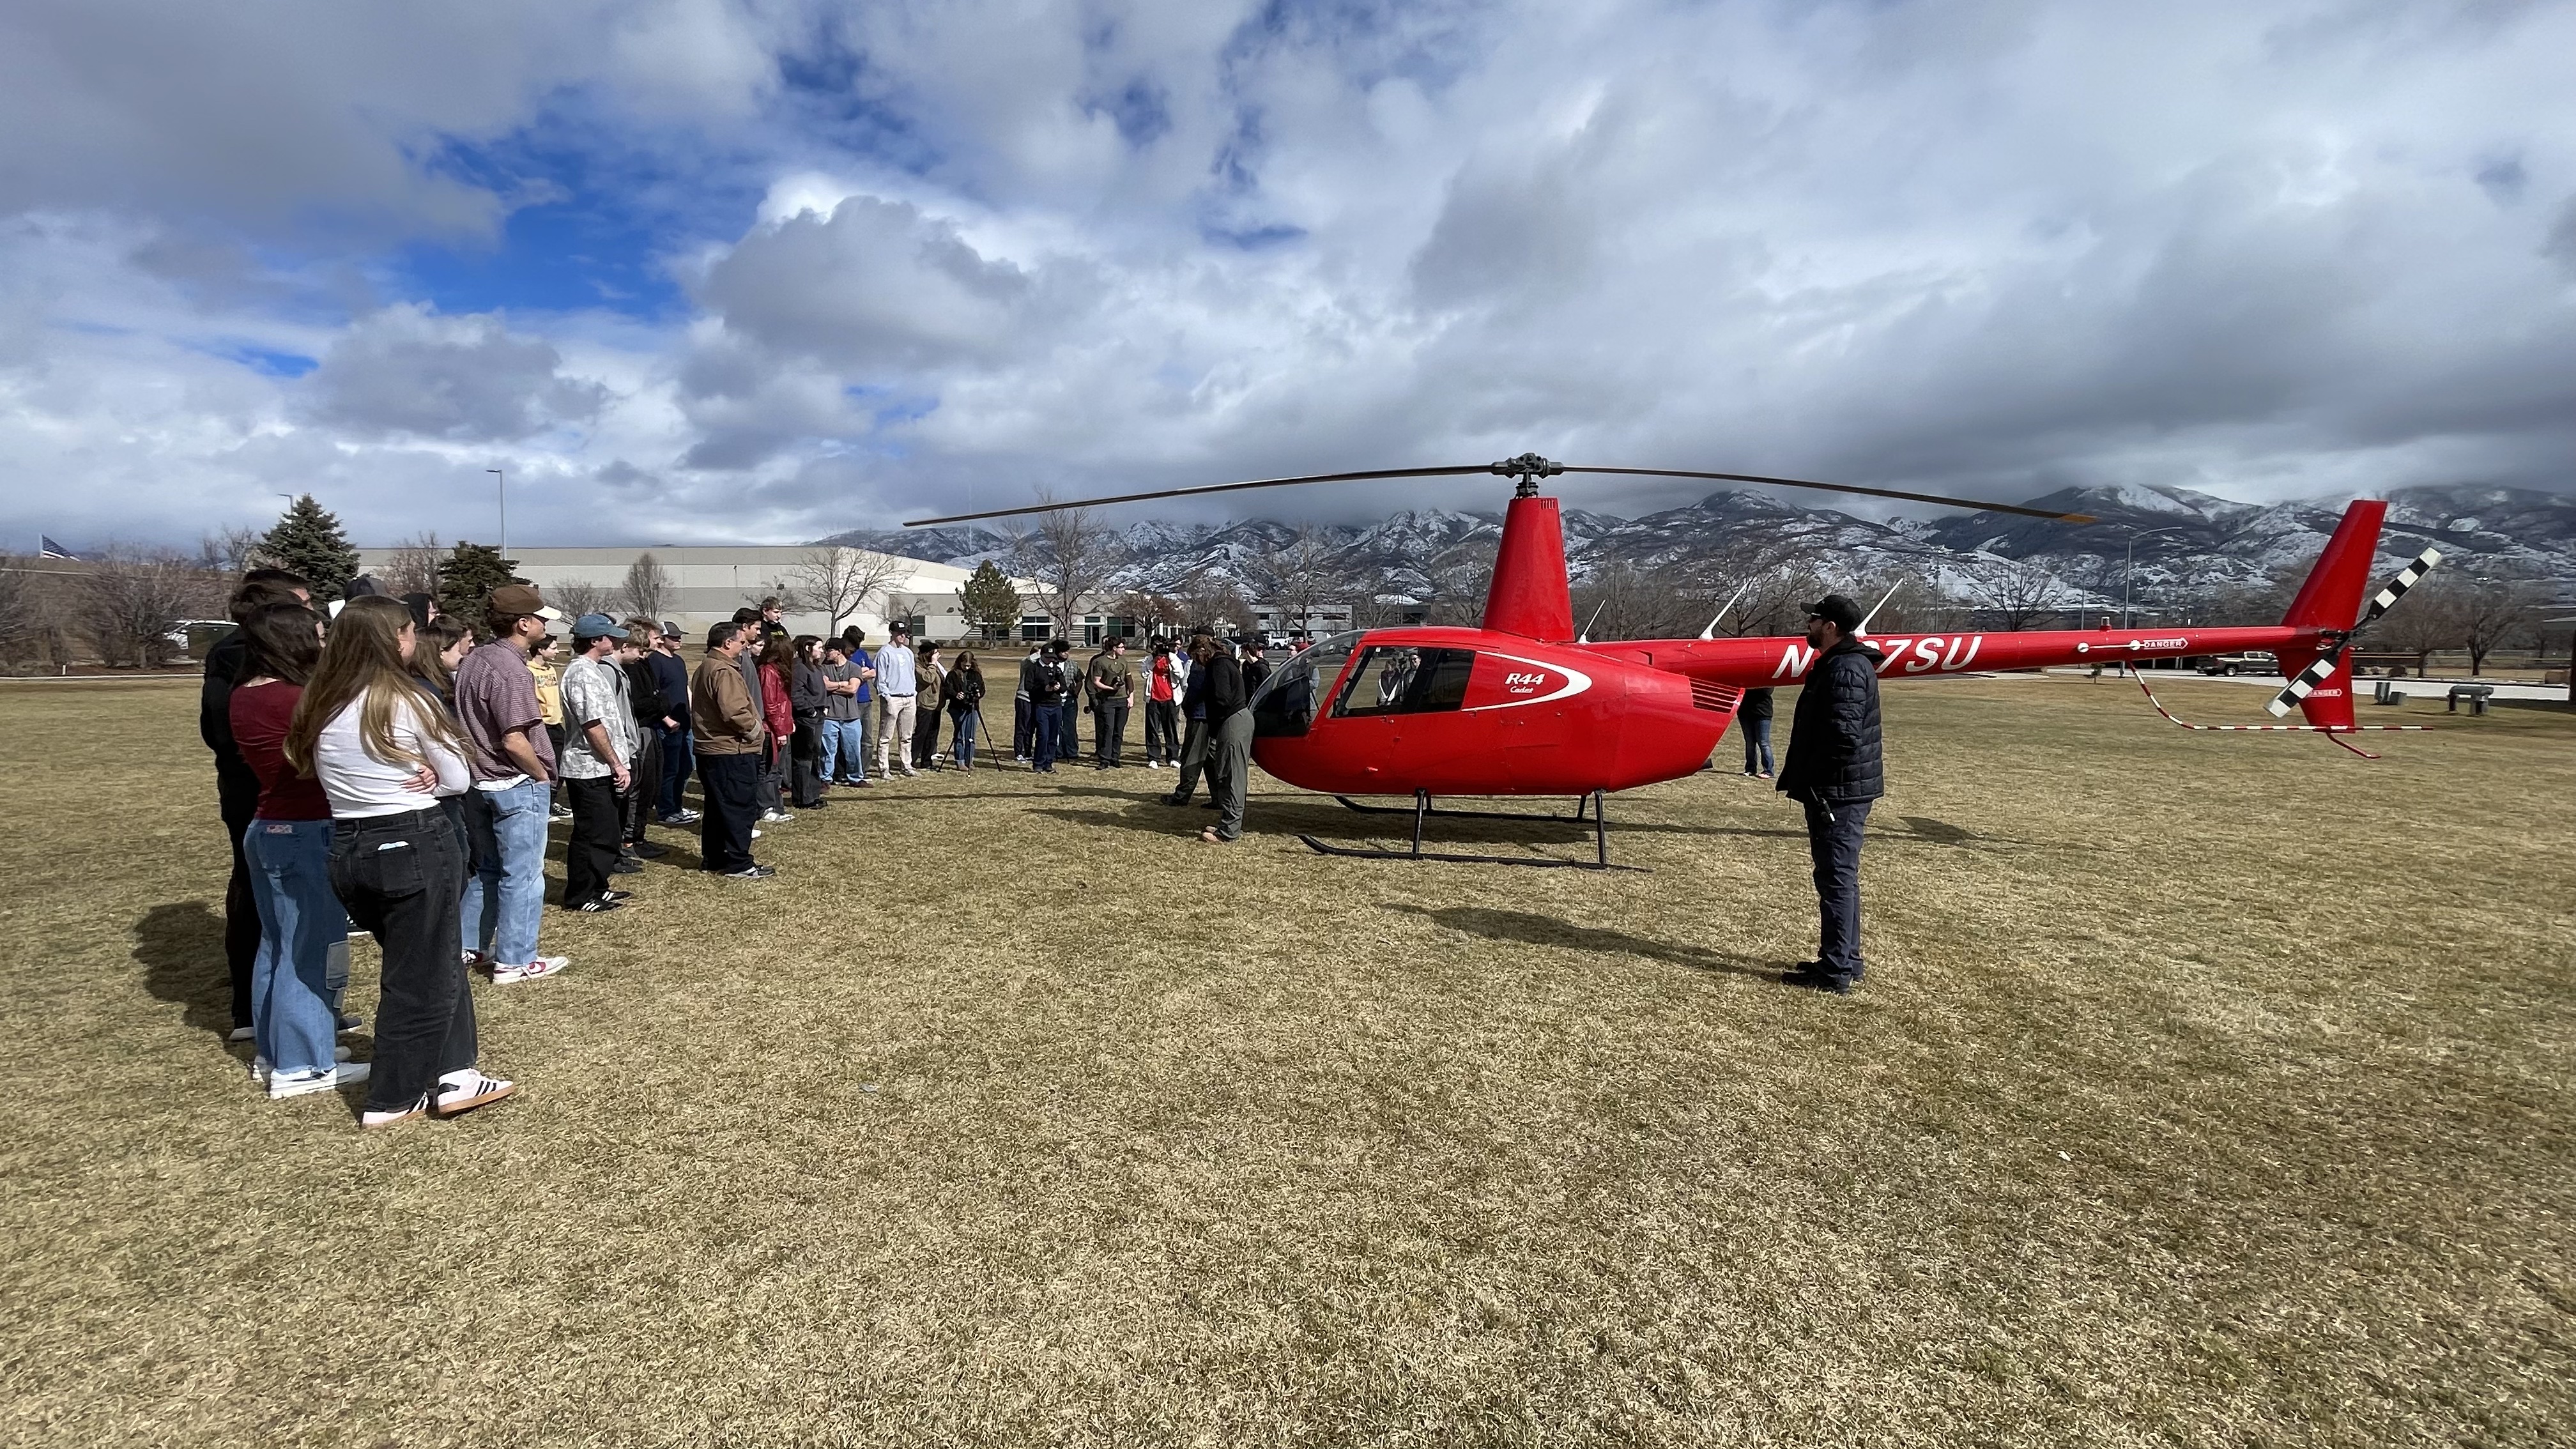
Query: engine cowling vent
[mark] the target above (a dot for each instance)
(1717, 698)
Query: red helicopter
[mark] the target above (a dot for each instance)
(1522, 705)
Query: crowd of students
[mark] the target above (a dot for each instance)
(387, 769)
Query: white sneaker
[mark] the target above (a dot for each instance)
(373, 1120)
(541, 967)
(755, 834)
(466, 1090)
(775, 817)
(242, 1033)
(282, 1085)
(259, 1064)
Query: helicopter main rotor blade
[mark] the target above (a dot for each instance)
(1203, 488)
(1844, 488)
(1525, 466)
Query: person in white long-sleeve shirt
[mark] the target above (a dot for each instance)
(898, 687)
(385, 750)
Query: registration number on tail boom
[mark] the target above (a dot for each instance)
(1931, 654)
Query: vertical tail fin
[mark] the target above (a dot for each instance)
(2331, 599)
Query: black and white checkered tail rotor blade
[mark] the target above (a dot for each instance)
(2323, 669)
(2407, 578)
(2307, 682)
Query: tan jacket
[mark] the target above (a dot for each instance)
(720, 709)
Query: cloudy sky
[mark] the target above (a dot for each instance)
(694, 270)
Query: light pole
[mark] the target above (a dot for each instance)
(501, 491)
(2129, 571)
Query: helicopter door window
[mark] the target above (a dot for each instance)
(1394, 679)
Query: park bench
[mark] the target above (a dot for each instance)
(2475, 694)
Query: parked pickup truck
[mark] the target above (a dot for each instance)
(2252, 661)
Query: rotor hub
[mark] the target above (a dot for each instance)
(1525, 471)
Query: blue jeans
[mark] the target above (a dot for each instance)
(1044, 722)
(675, 770)
(294, 1012)
(962, 739)
(844, 759)
(505, 885)
(1757, 745)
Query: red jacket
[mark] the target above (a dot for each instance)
(775, 707)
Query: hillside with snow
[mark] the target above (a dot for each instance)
(2185, 542)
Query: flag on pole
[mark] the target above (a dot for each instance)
(47, 548)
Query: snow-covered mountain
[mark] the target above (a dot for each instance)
(2183, 539)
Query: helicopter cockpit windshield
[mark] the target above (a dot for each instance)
(1284, 705)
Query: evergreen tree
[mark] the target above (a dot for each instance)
(467, 577)
(990, 603)
(307, 539)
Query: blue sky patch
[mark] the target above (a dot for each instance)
(269, 362)
(593, 218)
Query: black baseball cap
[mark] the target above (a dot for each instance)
(1837, 610)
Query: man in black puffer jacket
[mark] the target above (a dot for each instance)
(1833, 769)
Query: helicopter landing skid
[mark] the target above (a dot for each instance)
(1422, 811)
(1581, 803)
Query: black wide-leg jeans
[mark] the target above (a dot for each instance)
(400, 877)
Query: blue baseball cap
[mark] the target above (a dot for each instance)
(594, 626)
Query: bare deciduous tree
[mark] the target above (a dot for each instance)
(130, 603)
(2016, 592)
(19, 624)
(1301, 574)
(1067, 556)
(841, 581)
(579, 598)
(413, 569)
(1159, 613)
(229, 550)
(2496, 609)
(1618, 600)
(1460, 579)
(1209, 596)
(647, 587)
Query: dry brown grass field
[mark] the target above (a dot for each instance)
(2205, 1090)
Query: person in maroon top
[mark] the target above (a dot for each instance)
(295, 1007)
(778, 712)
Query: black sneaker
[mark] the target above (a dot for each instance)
(595, 907)
(626, 865)
(617, 895)
(648, 850)
(1814, 980)
(752, 872)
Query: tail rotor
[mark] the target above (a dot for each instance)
(2323, 667)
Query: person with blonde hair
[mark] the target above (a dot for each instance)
(384, 750)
